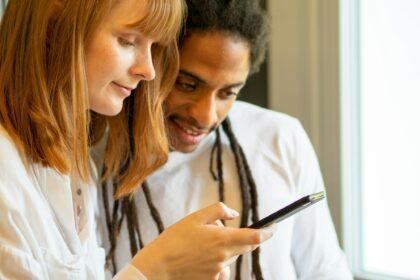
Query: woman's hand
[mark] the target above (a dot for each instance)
(197, 248)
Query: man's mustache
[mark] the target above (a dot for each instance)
(192, 123)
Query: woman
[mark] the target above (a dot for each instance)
(59, 61)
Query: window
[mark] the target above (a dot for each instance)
(2, 5)
(380, 42)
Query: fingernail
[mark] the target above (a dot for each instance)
(234, 213)
(271, 229)
(274, 227)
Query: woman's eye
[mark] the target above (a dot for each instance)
(126, 43)
(185, 86)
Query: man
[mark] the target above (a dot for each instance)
(253, 159)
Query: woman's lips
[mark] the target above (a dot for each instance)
(122, 89)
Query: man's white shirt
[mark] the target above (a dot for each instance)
(285, 168)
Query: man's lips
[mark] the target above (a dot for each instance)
(190, 129)
(123, 89)
(188, 135)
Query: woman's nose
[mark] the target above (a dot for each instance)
(143, 66)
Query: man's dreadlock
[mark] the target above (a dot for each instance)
(126, 208)
(249, 195)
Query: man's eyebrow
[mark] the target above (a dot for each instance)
(193, 76)
(234, 85)
(202, 81)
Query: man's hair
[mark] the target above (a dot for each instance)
(242, 18)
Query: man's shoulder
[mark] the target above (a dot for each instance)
(247, 117)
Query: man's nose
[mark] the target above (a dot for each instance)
(204, 110)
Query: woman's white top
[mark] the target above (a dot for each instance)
(47, 223)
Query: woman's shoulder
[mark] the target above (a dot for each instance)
(10, 159)
(14, 174)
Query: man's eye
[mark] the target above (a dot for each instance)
(125, 43)
(185, 86)
(228, 94)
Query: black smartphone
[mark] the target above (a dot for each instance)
(289, 210)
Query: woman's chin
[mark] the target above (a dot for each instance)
(110, 110)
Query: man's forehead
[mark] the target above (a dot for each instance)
(215, 58)
(216, 50)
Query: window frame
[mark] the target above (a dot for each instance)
(351, 135)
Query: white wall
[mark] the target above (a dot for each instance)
(304, 79)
